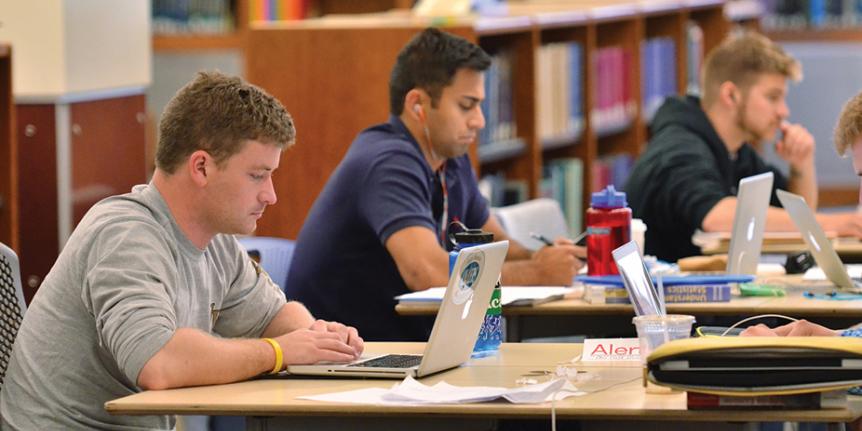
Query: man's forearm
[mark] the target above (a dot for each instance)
(803, 182)
(192, 357)
(291, 317)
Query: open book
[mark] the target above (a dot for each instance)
(509, 295)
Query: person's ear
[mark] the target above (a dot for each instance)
(413, 102)
(198, 165)
(730, 93)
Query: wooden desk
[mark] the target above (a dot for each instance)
(614, 394)
(566, 316)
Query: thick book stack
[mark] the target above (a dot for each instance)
(615, 107)
(812, 400)
(560, 100)
(563, 181)
(658, 73)
(677, 294)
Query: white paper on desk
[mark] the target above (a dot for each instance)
(816, 274)
(509, 295)
(411, 392)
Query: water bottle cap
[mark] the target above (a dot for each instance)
(609, 198)
(473, 236)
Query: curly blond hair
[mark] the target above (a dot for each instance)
(849, 127)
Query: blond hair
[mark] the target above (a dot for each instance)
(742, 59)
(218, 113)
(849, 127)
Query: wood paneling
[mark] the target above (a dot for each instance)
(334, 82)
(841, 196)
(107, 155)
(8, 156)
(37, 158)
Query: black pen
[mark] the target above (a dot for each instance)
(546, 241)
(540, 237)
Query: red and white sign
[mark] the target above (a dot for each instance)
(611, 349)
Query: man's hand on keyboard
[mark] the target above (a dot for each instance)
(307, 346)
(348, 334)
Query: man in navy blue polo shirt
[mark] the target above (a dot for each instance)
(378, 228)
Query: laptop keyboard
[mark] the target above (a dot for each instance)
(391, 361)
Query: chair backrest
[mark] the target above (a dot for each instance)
(12, 306)
(275, 255)
(542, 216)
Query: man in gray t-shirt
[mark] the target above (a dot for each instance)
(152, 291)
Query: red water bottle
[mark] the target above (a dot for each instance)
(609, 221)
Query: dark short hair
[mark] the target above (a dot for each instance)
(218, 113)
(429, 61)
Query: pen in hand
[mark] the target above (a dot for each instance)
(540, 237)
(546, 241)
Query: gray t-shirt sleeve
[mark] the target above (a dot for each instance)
(252, 300)
(130, 265)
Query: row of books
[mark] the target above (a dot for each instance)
(497, 106)
(560, 97)
(563, 181)
(500, 191)
(815, 14)
(611, 170)
(615, 107)
(192, 16)
(658, 73)
(278, 10)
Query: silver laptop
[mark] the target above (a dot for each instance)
(818, 244)
(455, 330)
(749, 222)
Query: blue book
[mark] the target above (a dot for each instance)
(668, 280)
(677, 294)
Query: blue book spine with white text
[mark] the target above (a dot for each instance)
(677, 294)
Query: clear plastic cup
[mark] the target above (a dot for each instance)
(653, 331)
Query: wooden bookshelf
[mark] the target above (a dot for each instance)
(825, 35)
(240, 8)
(332, 75)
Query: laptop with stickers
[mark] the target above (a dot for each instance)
(455, 330)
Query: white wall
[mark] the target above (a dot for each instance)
(35, 31)
(833, 74)
(63, 47)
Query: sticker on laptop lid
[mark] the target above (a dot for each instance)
(471, 271)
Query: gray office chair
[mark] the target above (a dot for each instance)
(273, 254)
(12, 305)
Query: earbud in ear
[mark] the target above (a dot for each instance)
(417, 108)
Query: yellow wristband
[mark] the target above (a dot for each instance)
(279, 355)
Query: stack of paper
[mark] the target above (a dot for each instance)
(509, 295)
(411, 392)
